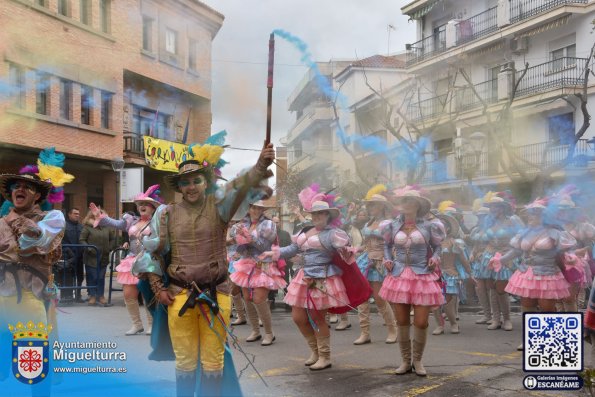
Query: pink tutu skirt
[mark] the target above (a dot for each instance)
(411, 288)
(250, 274)
(300, 294)
(124, 275)
(528, 285)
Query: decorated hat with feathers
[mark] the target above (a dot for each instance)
(47, 175)
(151, 196)
(313, 200)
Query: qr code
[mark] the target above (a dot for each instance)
(552, 342)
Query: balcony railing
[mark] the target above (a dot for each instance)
(480, 25)
(545, 154)
(426, 47)
(523, 9)
(529, 158)
(477, 26)
(427, 109)
(135, 144)
(468, 98)
(561, 72)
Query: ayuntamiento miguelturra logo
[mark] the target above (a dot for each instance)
(30, 351)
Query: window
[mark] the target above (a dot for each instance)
(171, 41)
(41, 3)
(143, 122)
(192, 54)
(86, 101)
(106, 106)
(563, 57)
(63, 8)
(561, 129)
(65, 99)
(105, 15)
(42, 93)
(147, 34)
(86, 12)
(17, 86)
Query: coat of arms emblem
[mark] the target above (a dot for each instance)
(30, 351)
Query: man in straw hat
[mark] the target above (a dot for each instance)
(30, 243)
(199, 288)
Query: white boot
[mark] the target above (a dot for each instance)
(134, 313)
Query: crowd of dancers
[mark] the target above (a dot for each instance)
(416, 260)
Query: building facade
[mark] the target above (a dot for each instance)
(472, 60)
(92, 77)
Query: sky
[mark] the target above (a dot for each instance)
(333, 29)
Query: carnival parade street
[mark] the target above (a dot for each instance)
(475, 362)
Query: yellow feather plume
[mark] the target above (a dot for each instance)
(445, 206)
(209, 153)
(477, 204)
(489, 196)
(377, 189)
(54, 174)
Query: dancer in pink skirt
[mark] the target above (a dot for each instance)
(411, 253)
(317, 286)
(538, 280)
(575, 223)
(136, 227)
(255, 234)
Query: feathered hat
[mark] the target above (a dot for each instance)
(48, 176)
(151, 196)
(414, 192)
(478, 208)
(377, 195)
(313, 200)
(502, 199)
(539, 204)
(205, 159)
(563, 199)
(447, 207)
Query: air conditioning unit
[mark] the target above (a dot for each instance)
(519, 45)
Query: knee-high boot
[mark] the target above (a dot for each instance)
(238, 304)
(419, 345)
(389, 319)
(450, 309)
(343, 322)
(264, 312)
(313, 344)
(363, 313)
(483, 294)
(185, 383)
(439, 330)
(253, 318)
(405, 348)
(494, 303)
(134, 313)
(324, 353)
(504, 302)
(525, 309)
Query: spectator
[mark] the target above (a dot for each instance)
(104, 239)
(73, 256)
(283, 239)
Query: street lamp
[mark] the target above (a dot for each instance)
(117, 166)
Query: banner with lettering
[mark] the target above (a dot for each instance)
(164, 155)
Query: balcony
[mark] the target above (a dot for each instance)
(566, 72)
(426, 48)
(479, 26)
(523, 9)
(557, 73)
(318, 157)
(134, 144)
(313, 115)
(308, 86)
(529, 158)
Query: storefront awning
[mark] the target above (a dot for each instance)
(424, 10)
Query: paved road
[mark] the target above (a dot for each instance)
(476, 362)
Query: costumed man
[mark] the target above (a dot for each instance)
(30, 243)
(195, 286)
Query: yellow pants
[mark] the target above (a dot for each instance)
(191, 334)
(30, 309)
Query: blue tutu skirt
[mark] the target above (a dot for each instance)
(369, 270)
